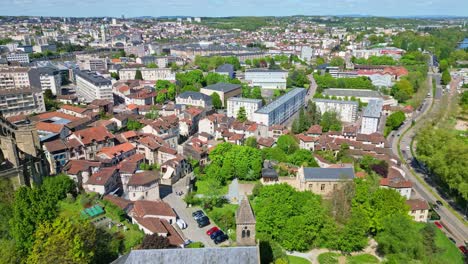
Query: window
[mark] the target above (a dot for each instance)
(248, 233)
(243, 233)
(322, 187)
(311, 186)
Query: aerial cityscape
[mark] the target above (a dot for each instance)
(242, 133)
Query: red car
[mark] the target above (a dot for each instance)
(463, 249)
(212, 230)
(438, 225)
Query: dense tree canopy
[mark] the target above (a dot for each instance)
(395, 120)
(217, 103)
(330, 122)
(327, 81)
(293, 219)
(63, 241)
(402, 90)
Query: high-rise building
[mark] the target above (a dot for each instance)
(234, 104)
(103, 34)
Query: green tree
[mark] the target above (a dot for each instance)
(400, 239)
(217, 103)
(288, 144)
(63, 241)
(251, 142)
(302, 157)
(134, 125)
(337, 61)
(330, 122)
(242, 114)
(152, 65)
(138, 75)
(395, 120)
(160, 98)
(256, 93)
(155, 241)
(402, 90)
(446, 78)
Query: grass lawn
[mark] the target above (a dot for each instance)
(203, 187)
(328, 258)
(361, 259)
(450, 253)
(224, 218)
(332, 258)
(72, 209)
(297, 260)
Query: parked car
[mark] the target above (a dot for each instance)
(215, 234)
(203, 221)
(181, 223)
(453, 240)
(463, 249)
(438, 225)
(439, 202)
(221, 238)
(187, 242)
(212, 230)
(198, 214)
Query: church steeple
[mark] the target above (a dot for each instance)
(245, 223)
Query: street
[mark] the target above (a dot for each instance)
(454, 226)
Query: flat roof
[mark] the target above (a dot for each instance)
(242, 99)
(373, 108)
(352, 92)
(265, 70)
(318, 174)
(93, 77)
(334, 101)
(280, 101)
(223, 87)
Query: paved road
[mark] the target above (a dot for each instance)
(456, 228)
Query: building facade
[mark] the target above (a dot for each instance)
(91, 86)
(280, 110)
(148, 74)
(371, 117)
(267, 79)
(236, 103)
(346, 110)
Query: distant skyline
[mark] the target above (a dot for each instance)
(222, 8)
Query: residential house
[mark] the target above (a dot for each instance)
(323, 181)
(144, 186)
(105, 181)
(419, 209)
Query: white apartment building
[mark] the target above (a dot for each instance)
(91, 63)
(346, 110)
(195, 99)
(371, 117)
(46, 78)
(250, 106)
(148, 74)
(91, 86)
(21, 101)
(280, 110)
(267, 79)
(18, 57)
(14, 78)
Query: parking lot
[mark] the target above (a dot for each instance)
(192, 232)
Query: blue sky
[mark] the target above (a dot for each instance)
(132, 8)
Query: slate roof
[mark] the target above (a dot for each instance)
(225, 68)
(244, 214)
(144, 178)
(218, 255)
(352, 92)
(373, 108)
(195, 96)
(223, 87)
(319, 174)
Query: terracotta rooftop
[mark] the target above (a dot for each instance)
(87, 135)
(111, 152)
(144, 178)
(102, 177)
(76, 166)
(417, 204)
(144, 208)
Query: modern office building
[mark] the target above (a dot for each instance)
(267, 79)
(91, 86)
(18, 57)
(148, 74)
(371, 116)
(250, 106)
(224, 90)
(346, 110)
(278, 111)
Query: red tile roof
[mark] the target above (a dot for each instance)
(111, 152)
(144, 208)
(102, 177)
(50, 127)
(87, 135)
(417, 204)
(74, 167)
(144, 178)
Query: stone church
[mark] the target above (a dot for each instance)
(245, 224)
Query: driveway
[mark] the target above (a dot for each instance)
(192, 232)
